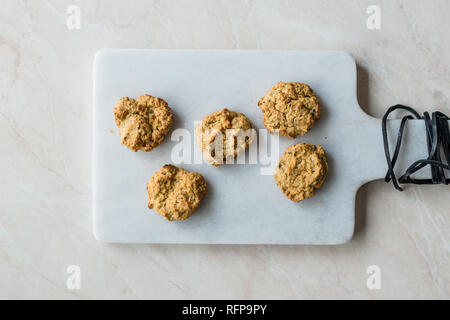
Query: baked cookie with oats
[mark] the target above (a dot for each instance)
(290, 109)
(175, 193)
(224, 134)
(143, 123)
(301, 171)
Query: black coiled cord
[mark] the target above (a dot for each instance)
(438, 136)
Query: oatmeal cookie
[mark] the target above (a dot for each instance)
(143, 123)
(233, 128)
(175, 193)
(290, 109)
(301, 171)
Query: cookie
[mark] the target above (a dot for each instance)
(175, 193)
(231, 128)
(290, 109)
(301, 171)
(143, 123)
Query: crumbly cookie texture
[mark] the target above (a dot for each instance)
(143, 123)
(301, 171)
(175, 193)
(290, 109)
(236, 133)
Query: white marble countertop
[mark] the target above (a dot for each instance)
(45, 147)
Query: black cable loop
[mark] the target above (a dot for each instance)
(438, 136)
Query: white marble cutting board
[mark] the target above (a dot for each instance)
(242, 206)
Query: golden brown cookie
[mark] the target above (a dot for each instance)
(233, 129)
(290, 109)
(301, 171)
(175, 192)
(143, 123)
